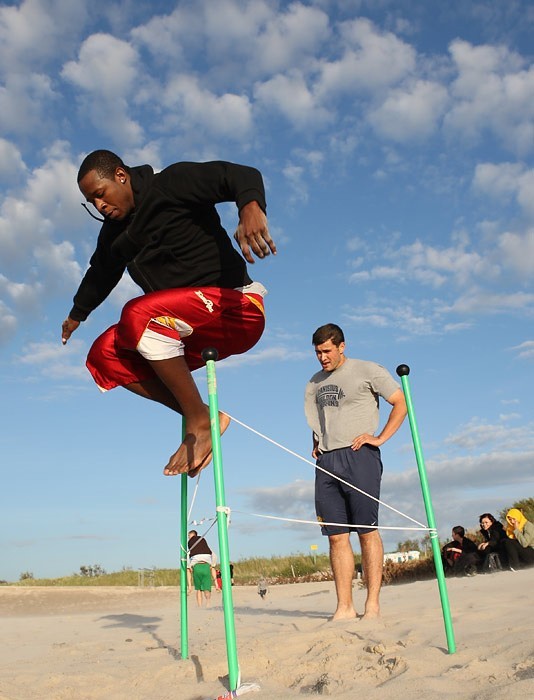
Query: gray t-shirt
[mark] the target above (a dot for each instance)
(342, 404)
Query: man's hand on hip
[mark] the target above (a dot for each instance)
(365, 439)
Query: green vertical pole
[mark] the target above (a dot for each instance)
(403, 371)
(184, 639)
(209, 355)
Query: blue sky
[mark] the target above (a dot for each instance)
(396, 144)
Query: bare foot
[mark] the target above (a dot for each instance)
(372, 612)
(195, 451)
(224, 422)
(348, 613)
(191, 454)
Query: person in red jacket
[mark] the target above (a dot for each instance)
(165, 230)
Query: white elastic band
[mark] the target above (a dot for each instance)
(316, 522)
(227, 510)
(295, 454)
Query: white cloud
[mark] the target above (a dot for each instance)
(256, 357)
(497, 180)
(276, 38)
(291, 500)
(58, 176)
(409, 316)
(295, 175)
(56, 361)
(24, 103)
(107, 73)
(12, 166)
(33, 31)
(291, 38)
(188, 103)
(106, 66)
(169, 36)
(57, 263)
(525, 351)
(477, 434)
(471, 279)
(461, 487)
(456, 261)
(37, 265)
(446, 471)
(509, 416)
(421, 316)
(518, 252)
(312, 159)
(290, 96)
(433, 266)
(410, 113)
(23, 296)
(28, 219)
(525, 193)
(505, 180)
(34, 36)
(8, 323)
(492, 92)
(479, 301)
(297, 172)
(372, 60)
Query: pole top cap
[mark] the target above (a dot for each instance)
(403, 370)
(209, 354)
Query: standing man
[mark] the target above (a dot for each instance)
(165, 230)
(200, 567)
(341, 406)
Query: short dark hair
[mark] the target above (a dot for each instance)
(459, 530)
(105, 163)
(330, 331)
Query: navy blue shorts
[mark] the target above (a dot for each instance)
(336, 502)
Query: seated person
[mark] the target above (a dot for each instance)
(449, 553)
(461, 555)
(520, 540)
(494, 537)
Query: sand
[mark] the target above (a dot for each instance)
(124, 643)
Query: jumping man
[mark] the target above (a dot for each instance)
(165, 230)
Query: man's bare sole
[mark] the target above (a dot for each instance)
(195, 452)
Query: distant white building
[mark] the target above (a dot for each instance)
(400, 557)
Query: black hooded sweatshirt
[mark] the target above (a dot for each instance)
(174, 237)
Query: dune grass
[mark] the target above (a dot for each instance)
(293, 568)
(126, 577)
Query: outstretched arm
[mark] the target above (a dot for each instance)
(394, 422)
(252, 232)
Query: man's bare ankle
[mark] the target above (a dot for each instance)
(344, 612)
(371, 611)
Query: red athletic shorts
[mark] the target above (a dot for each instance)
(230, 321)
